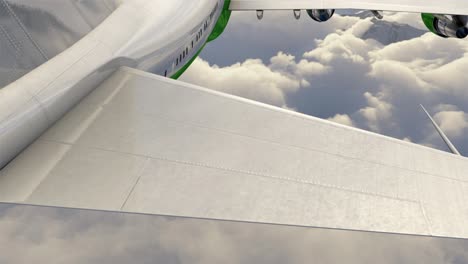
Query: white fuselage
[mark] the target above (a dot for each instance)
(167, 42)
(158, 36)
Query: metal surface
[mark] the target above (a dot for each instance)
(154, 36)
(297, 13)
(377, 14)
(320, 15)
(148, 144)
(32, 32)
(143, 143)
(441, 133)
(448, 27)
(454, 7)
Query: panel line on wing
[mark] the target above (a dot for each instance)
(260, 174)
(139, 175)
(292, 146)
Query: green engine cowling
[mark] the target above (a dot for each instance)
(446, 26)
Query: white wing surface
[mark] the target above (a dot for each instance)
(143, 143)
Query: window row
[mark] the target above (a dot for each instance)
(179, 59)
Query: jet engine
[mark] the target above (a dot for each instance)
(446, 26)
(320, 15)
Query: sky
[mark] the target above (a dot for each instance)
(354, 70)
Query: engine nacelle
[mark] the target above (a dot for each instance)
(446, 26)
(320, 15)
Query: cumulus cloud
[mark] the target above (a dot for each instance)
(411, 19)
(451, 120)
(269, 83)
(53, 235)
(246, 37)
(349, 69)
(342, 119)
(379, 111)
(453, 123)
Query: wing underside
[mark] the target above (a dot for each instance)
(452, 7)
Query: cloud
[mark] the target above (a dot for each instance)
(347, 70)
(255, 80)
(246, 37)
(53, 235)
(342, 119)
(453, 123)
(379, 111)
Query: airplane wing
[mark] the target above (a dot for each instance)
(125, 140)
(147, 144)
(453, 7)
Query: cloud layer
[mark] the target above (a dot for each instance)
(53, 235)
(347, 75)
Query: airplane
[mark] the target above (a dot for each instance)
(449, 21)
(93, 117)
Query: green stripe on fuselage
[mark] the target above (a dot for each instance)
(218, 29)
(176, 75)
(222, 22)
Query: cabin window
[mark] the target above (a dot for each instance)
(177, 62)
